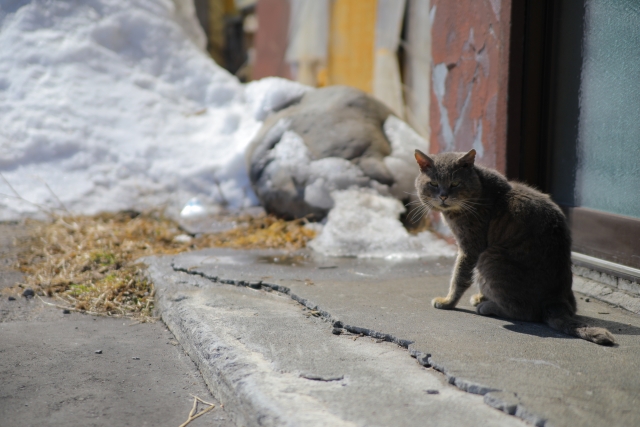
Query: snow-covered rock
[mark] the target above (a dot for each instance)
(344, 138)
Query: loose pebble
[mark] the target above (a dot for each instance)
(12, 298)
(28, 293)
(98, 351)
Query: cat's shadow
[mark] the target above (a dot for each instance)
(541, 330)
(544, 331)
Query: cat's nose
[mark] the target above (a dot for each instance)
(444, 197)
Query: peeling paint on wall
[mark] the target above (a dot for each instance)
(470, 40)
(439, 76)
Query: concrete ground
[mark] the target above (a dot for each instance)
(293, 339)
(51, 375)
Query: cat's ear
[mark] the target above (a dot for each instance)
(425, 162)
(468, 159)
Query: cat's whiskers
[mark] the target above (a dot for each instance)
(466, 207)
(419, 212)
(414, 214)
(416, 202)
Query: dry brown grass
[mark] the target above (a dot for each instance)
(266, 232)
(89, 262)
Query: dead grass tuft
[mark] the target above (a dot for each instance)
(265, 232)
(89, 262)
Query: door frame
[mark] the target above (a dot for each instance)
(540, 94)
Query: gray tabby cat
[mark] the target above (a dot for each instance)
(513, 241)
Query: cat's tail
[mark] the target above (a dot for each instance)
(562, 321)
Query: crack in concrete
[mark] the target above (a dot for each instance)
(501, 400)
(313, 377)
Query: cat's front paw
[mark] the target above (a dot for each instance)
(442, 303)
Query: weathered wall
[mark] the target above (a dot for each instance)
(271, 39)
(470, 53)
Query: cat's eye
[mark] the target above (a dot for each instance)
(455, 184)
(433, 184)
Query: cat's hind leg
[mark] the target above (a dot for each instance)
(490, 308)
(477, 299)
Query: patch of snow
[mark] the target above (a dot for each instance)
(291, 151)
(365, 224)
(321, 177)
(193, 209)
(401, 162)
(272, 94)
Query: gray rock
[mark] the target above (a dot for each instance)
(339, 125)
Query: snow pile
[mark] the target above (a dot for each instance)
(364, 224)
(114, 105)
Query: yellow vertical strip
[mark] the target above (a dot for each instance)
(351, 43)
(215, 32)
(230, 7)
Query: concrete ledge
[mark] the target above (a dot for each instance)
(606, 292)
(242, 380)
